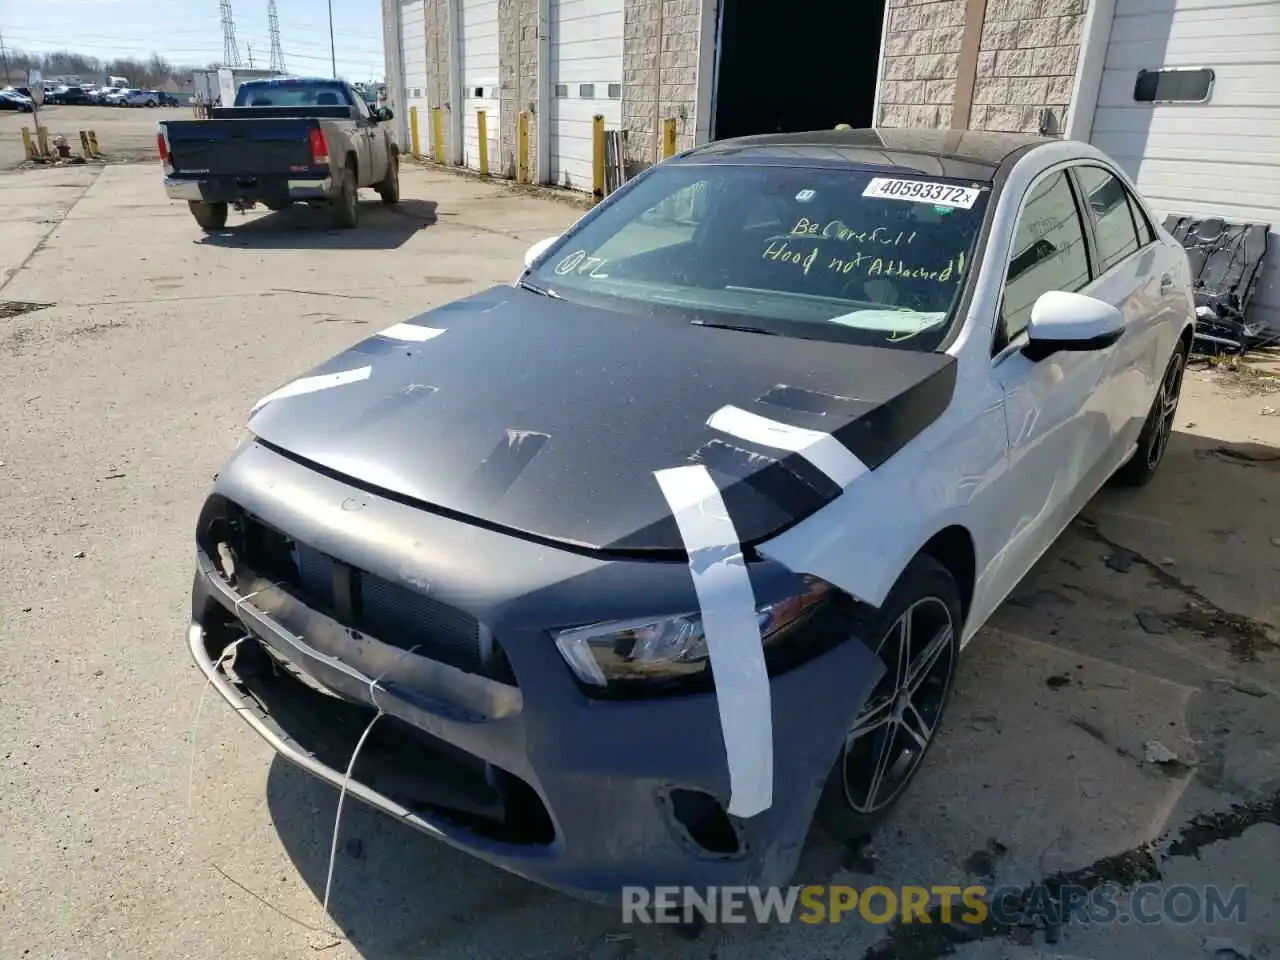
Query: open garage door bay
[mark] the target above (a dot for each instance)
(586, 78)
(1200, 131)
(478, 53)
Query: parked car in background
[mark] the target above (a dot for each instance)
(118, 98)
(102, 93)
(68, 96)
(10, 100)
(169, 100)
(23, 91)
(142, 98)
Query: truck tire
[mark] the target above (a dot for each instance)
(345, 198)
(210, 216)
(389, 189)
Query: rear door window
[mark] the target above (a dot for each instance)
(1115, 231)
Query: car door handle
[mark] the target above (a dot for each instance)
(1166, 283)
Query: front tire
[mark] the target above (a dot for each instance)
(389, 189)
(916, 632)
(1153, 442)
(210, 216)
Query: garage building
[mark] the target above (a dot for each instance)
(1185, 94)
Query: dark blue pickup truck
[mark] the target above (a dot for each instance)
(286, 140)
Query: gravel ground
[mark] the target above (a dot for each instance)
(1153, 619)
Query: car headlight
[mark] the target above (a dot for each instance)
(624, 652)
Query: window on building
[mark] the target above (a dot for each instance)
(562, 90)
(1048, 254)
(1187, 85)
(1114, 229)
(586, 90)
(615, 91)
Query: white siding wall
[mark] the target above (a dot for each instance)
(586, 79)
(1220, 158)
(413, 45)
(478, 52)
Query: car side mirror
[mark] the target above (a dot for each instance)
(383, 114)
(1071, 322)
(534, 253)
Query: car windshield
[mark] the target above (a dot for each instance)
(842, 253)
(292, 95)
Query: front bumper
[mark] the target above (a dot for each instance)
(257, 189)
(610, 777)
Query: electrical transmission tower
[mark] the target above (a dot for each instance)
(277, 52)
(230, 49)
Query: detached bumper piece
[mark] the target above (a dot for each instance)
(1226, 262)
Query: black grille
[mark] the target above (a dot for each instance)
(392, 613)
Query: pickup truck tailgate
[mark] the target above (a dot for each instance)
(241, 147)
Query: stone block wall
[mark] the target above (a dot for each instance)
(518, 83)
(660, 75)
(1026, 65)
(921, 62)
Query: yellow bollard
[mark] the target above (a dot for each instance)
(413, 131)
(437, 133)
(84, 144)
(28, 145)
(597, 157)
(522, 147)
(93, 144)
(42, 137)
(482, 129)
(669, 137)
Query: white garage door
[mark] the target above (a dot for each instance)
(478, 52)
(586, 78)
(1219, 157)
(413, 47)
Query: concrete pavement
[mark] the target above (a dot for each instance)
(121, 398)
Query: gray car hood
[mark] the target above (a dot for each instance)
(548, 418)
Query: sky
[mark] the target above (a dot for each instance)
(190, 31)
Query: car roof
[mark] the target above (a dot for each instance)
(962, 154)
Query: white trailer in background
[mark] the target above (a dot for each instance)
(230, 78)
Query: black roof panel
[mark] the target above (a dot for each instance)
(963, 154)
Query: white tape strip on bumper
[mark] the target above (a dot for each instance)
(410, 332)
(314, 385)
(821, 449)
(732, 630)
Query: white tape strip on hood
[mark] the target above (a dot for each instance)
(821, 449)
(732, 631)
(314, 384)
(410, 332)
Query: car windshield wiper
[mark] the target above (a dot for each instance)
(740, 327)
(524, 284)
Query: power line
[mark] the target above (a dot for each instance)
(273, 24)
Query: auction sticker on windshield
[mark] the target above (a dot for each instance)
(922, 191)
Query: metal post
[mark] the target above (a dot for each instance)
(437, 133)
(597, 157)
(668, 137)
(482, 128)
(42, 137)
(522, 147)
(413, 131)
(28, 145)
(93, 142)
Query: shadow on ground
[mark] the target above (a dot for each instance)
(1124, 634)
(300, 227)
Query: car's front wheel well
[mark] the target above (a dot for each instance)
(1187, 337)
(953, 548)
